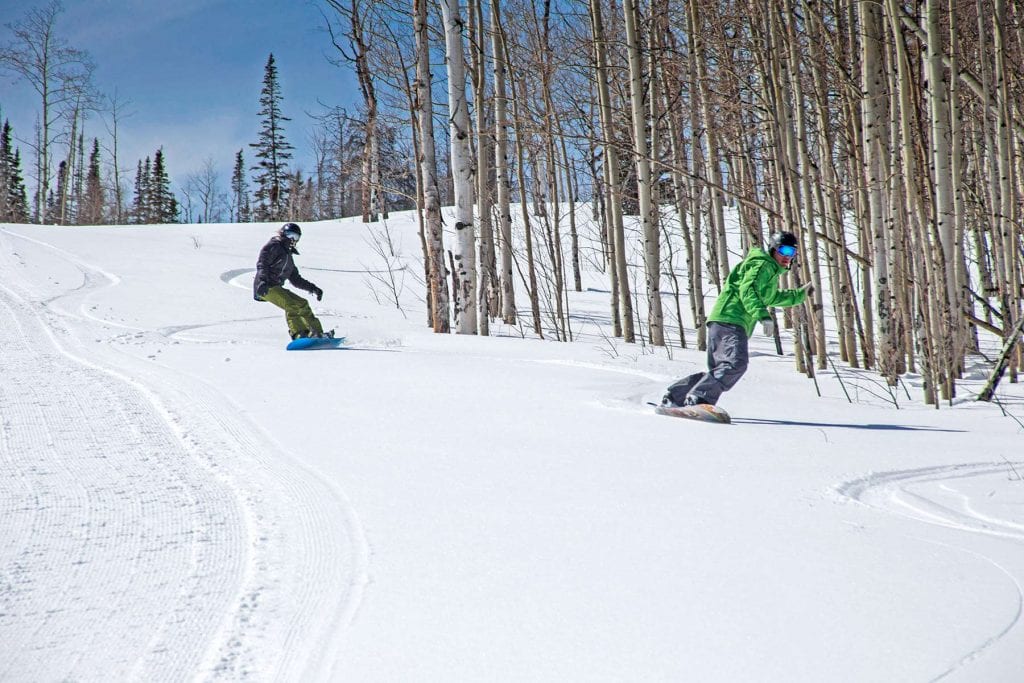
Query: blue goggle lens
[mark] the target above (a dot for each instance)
(293, 236)
(787, 251)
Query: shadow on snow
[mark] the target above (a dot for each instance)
(799, 423)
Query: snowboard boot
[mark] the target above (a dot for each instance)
(301, 334)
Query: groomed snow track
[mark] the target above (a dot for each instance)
(143, 519)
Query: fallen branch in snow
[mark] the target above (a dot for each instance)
(1016, 475)
(614, 352)
(1004, 359)
(839, 377)
(1007, 413)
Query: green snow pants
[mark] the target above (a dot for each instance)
(296, 311)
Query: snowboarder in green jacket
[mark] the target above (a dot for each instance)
(751, 288)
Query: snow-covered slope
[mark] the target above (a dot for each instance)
(181, 498)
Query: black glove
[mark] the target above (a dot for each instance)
(261, 290)
(318, 293)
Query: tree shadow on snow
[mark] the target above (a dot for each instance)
(800, 423)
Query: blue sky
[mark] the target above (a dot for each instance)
(193, 71)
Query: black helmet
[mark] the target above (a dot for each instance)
(291, 232)
(784, 239)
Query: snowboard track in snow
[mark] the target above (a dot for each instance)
(144, 518)
(893, 492)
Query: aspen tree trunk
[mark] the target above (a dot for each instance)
(653, 115)
(696, 189)
(490, 292)
(924, 273)
(531, 268)
(571, 187)
(835, 253)
(784, 99)
(64, 183)
(552, 222)
(960, 303)
(900, 266)
(462, 169)
(875, 142)
(552, 128)
(648, 220)
(378, 208)
(369, 165)
(370, 181)
(116, 107)
(863, 320)
(941, 153)
(600, 211)
(717, 245)
(417, 146)
(665, 89)
(990, 256)
(1008, 242)
(611, 174)
(436, 272)
(810, 262)
(488, 295)
(927, 317)
(905, 205)
(501, 172)
(679, 162)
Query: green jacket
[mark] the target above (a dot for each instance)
(750, 289)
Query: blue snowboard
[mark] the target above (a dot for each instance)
(314, 343)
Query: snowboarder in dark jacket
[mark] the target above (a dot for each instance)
(749, 290)
(274, 267)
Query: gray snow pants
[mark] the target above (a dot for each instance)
(727, 361)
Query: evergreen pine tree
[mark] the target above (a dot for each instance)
(272, 151)
(295, 211)
(17, 197)
(91, 209)
(164, 205)
(53, 203)
(140, 201)
(309, 200)
(6, 171)
(240, 191)
(135, 214)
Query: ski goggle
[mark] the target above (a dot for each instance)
(787, 251)
(292, 235)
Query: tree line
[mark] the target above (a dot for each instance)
(62, 185)
(887, 135)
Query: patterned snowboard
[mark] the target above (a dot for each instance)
(314, 343)
(701, 412)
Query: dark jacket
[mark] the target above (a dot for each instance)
(753, 286)
(275, 267)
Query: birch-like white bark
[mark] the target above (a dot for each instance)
(462, 169)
